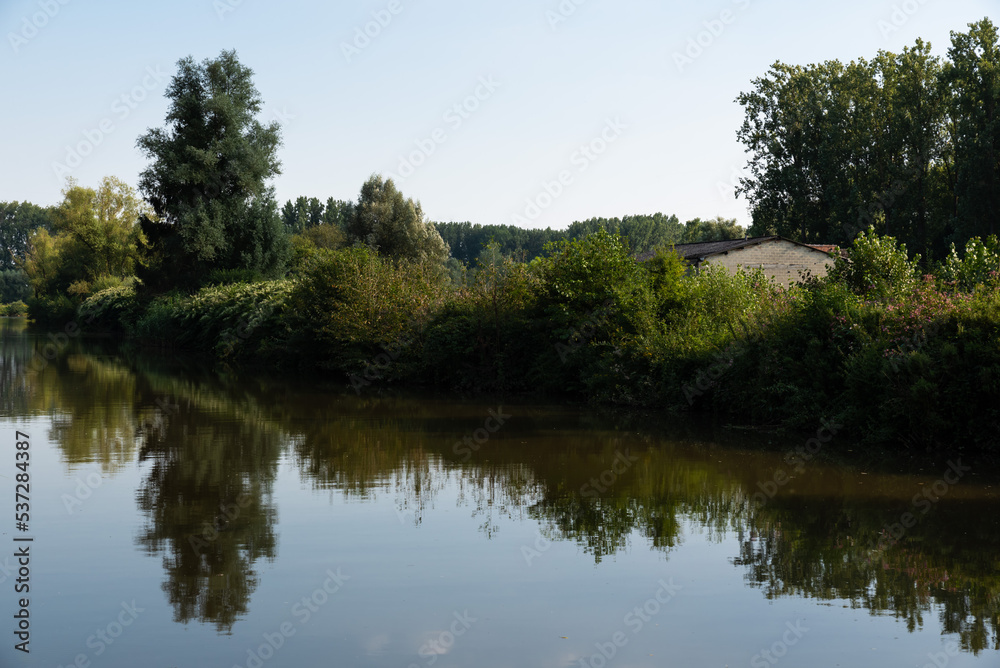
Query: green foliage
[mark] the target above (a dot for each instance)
(719, 305)
(101, 231)
(230, 320)
(228, 276)
(14, 286)
(597, 302)
(483, 339)
(666, 271)
(208, 177)
(467, 241)
(17, 222)
(52, 310)
(16, 309)
(394, 226)
(641, 234)
(876, 266)
(97, 245)
(302, 214)
(326, 236)
(338, 213)
(584, 274)
(897, 361)
(111, 307)
(354, 304)
(902, 142)
(306, 213)
(972, 78)
(980, 265)
(717, 229)
(43, 263)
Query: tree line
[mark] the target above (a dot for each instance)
(641, 233)
(907, 143)
(204, 212)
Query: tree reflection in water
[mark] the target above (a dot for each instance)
(212, 450)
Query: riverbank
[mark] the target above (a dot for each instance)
(902, 362)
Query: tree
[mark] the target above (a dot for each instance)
(14, 286)
(717, 229)
(394, 226)
(292, 216)
(973, 76)
(208, 181)
(914, 208)
(97, 239)
(42, 262)
(796, 129)
(315, 211)
(905, 143)
(303, 214)
(101, 229)
(325, 236)
(17, 222)
(338, 213)
(583, 276)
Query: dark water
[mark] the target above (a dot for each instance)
(185, 518)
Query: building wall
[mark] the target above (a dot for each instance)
(781, 260)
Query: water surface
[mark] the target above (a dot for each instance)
(187, 518)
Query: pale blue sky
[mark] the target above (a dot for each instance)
(670, 146)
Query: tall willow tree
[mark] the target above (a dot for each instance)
(208, 180)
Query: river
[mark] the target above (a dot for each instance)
(184, 517)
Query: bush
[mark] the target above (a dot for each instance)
(594, 301)
(57, 310)
(665, 274)
(236, 319)
(980, 265)
(16, 309)
(583, 275)
(876, 267)
(355, 304)
(483, 340)
(230, 276)
(112, 308)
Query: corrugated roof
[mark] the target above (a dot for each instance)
(706, 248)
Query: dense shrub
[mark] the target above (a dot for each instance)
(16, 309)
(235, 319)
(596, 302)
(54, 310)
(14, 286)
(112, 308)
(486, 336)
(876, 266)
(350, 306)
(979, 267)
